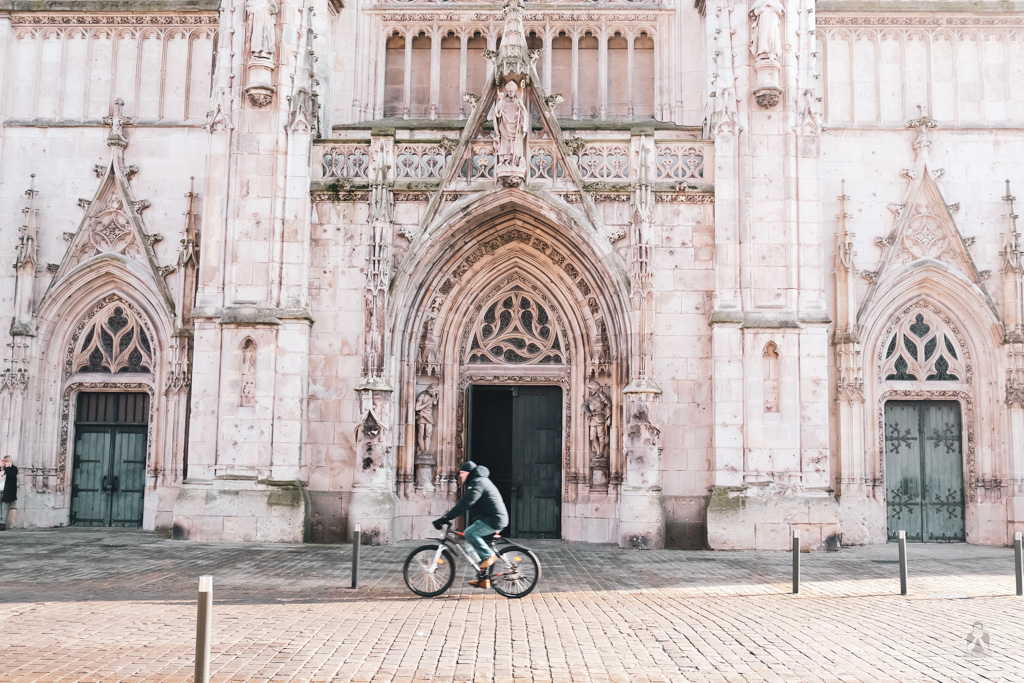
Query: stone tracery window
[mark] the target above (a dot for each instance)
(114, 342)
(516, 328)
(923, 348)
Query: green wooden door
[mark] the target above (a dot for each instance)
(516, 432)
(924, 470)
(109, 475)
(537, 446)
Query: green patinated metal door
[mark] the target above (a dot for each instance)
(109, 476)
(516, 432)
(537, 445)
(924, 470)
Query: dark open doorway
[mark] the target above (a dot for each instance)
(516, 432)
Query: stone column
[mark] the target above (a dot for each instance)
(247, 471)
(771, 440)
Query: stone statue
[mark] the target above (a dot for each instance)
(598, 409)
(766, 30)
(512, 121)
(262, 27)
(426, 400)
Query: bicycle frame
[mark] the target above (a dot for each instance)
(456, 541)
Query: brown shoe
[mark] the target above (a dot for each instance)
(481, 583)
(488, 562)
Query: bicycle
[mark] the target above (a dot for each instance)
(430, 569)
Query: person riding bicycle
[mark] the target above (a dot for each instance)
(482, 499)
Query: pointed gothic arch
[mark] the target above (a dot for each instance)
(564, 296)
(934, 338)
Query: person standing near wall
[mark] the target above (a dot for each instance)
(10, 489)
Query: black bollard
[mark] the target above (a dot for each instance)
(796, 561)
(903, 562)
(355, 556)
(204, 624)
(1018, 562)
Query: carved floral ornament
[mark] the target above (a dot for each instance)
(37, 19)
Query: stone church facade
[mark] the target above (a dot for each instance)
(681, 274)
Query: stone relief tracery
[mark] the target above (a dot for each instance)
(516, 329)
(112, 338)
(923, 345)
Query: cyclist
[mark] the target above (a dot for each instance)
(483, 501)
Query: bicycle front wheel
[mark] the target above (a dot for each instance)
(426, 576)
(516, 572)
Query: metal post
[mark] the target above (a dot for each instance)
(796, 561)
(204, 624)
(903, 562)
(1018, 562)
(355, 555)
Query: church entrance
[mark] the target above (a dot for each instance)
(109, 476)
(924, 491)
(516, 432)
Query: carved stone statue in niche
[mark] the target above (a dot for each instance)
(766, 29)
(425, 462)
(598, 410)
(766, 46)
(262, 27)
(512, 121)
(428, 364)
(426, 401)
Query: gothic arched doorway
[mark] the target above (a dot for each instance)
(511, 328)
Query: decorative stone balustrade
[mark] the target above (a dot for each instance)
(601, 162)
(345, 161)
(679, 162)
(604, 162)
(420, 162)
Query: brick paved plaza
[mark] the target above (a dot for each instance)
(84, 605)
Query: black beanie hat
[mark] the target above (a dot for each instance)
(468, 466)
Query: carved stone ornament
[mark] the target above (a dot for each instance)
(768, 97)
(260, 95)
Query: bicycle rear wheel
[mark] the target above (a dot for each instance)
(426, 577)
(516, 572)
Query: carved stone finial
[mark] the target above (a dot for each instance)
(117, 121)
(922, 144)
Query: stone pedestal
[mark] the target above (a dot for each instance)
(863, 520)
(373, 510)
(764, 517)
(241, 509)
(260, 89)
(642, 518)
(641, 507)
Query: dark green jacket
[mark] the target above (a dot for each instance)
(482, 500)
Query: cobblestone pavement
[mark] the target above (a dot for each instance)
(107, 605)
